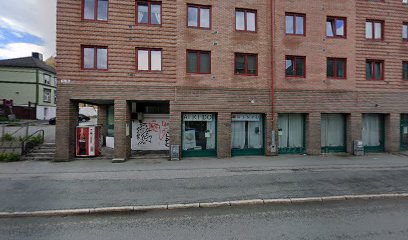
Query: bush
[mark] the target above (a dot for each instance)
(9, 157)
(7, 138)
(36, 139)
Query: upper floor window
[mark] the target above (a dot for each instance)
(336, 68)
(374, 29)
(375, 70)
(47, 79)
(198, 62)
(295, 23)
(199, 16)
(246, 64)
(148, 13)
(404, 1)
(336, 27)
(405, 31)
(47, 95)
(405, 70)
(95, 10)
(94, 58)
(245, 20)
(295, 66)
(149, 59)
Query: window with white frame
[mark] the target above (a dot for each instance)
(47, 95)
(47, 79)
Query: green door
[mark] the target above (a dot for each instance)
(404, 132)
(333, 133)
(291, 133)
(373, 132)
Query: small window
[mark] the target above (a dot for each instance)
(295, 66)
(47, 79)
(336, 68)
(199, 16)
(55, 96)
(198, 62)
(94, 58)
(336, 27)
(295, 24)
(245, 20)
(47, 95)
(246, 64)
(405, 70)
(405, 31)
(95, 10)
(374, 29)
(148, 13)
(375, 70)
(149, 59)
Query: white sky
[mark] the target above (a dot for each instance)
(27, 26)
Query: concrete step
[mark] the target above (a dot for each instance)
(41, 154)
(38, 158)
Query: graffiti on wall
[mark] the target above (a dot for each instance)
(151, 134)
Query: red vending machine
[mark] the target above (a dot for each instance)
(88, 141)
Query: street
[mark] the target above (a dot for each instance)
(33, 186)
(359, 220)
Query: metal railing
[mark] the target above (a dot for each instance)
(27, 146)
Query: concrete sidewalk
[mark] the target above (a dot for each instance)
(33, 186)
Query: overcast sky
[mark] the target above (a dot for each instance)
(27, 26)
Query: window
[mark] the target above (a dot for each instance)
(47, 95)
(95, 10)
(245, 20)
(295, 24)
(405, 31)
(295, 66)
(336, 27)
(55, 96)
(336, 68)
(94, 58)
(405, 1)
(199, 16)
(198, 62)
(246, 64)
(148, 13)
(149, 59)
(47, 79)
(374, 29)
(375, 70)
(405, 70)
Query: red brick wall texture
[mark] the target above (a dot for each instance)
(222, 91)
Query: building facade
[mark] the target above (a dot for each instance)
(29, 82)
(227, 78)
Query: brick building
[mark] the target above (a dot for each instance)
(226, 78)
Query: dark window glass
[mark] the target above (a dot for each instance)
(240, 64)
(204, 63)
(289, 67)
(340, 68)
(375, 70)
(246, 64)
(252, 68)
(330, 68)
(405, 70)
(368, 71)
(295, 66)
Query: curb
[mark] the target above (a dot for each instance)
(128, 209)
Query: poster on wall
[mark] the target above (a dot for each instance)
(151, 134)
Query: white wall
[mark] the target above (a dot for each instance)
(51, 112)
(152, 133)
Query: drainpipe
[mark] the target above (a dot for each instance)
(274, 142)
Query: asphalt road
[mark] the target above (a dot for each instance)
(359, 220)
(71, 190)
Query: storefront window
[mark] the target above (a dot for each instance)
(247, 132)
(199, 132)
